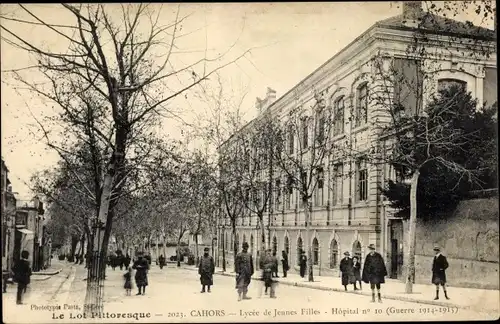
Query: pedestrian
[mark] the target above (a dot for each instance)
(127, 260)
(284, 263)
(374, 271)
(275, 266)
(244, 271)
(346, 268)
(206, 270)
(22, 274)
(141, 266)
(439, 266)
(161, 261)
(303, 263)
(267, 264)
(128, 281)
(356, 267)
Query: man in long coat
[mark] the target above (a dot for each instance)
(284, 262)
(141, 266)
(346, 268)
(206, 270)
(244, 271)
(439, 266)
(267, 265)
(374, 271)
(303, 264)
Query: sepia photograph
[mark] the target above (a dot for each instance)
(249, 162)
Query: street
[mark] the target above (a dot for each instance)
(173, 295)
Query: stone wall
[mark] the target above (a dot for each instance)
(469, 238)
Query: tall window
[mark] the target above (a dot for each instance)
(305, 133)
(299, 250)
(450, 83)
(334, 253)
(278, 194)
(290, 139)
(320, 119)
(337, 180)
(315, 246)
(362, 105)
(338, 126)
(275, 244)
(287, 245)
(319, 199)
(251, 244)
(362, 180)
(289, 192)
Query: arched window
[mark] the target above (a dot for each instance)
(286, 245)
(338, 109)
(356, 249)
(315, 247)
(334, 253)
(450, 83)
(237, 241)
(299, 249)
(244, 238)
(275, 244)
(361, 105)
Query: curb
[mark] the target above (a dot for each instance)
(46, 273)
(41, 278)
(392, 297)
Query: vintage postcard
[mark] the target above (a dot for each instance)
(249, 162)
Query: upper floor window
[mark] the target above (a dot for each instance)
(290, 139)
(362, 105)
(305, 133)
(320, 130)
(339, 105)
(450, 83)
(320, 182)
(362, 180)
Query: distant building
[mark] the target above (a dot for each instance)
(8, 219)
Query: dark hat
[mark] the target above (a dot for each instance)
(347, 253)
(436, 248)
(206, 249)
(245, 244)
(371, 246)
(140, 253)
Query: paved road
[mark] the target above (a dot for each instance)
(174, 296)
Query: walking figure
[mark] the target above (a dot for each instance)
(284, 262)
(161, 261)
(128, 281)
(267, 264)
(22, 274)
(141, 274)
(374, 271)
(346, 267)
(356, 269)
(126, 261)
(303, 263)
(206, 270)
(439, 266)
(275, 266)
(244, 271)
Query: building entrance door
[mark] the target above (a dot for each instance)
(394, 259)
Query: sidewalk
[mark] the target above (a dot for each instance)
(465, 298)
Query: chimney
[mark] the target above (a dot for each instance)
(258, 104)
(412, 11)
(270, 96)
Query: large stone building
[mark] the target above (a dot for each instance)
(349, 212)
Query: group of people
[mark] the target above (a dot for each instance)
(141, 266)
(119, 260)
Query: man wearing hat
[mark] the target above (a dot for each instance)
(374, 271)
(347, 270)
(267, 264)
(439, 266)
(206, 270)
(244, 271)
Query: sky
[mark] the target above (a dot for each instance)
(287, 41)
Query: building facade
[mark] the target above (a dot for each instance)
(30, 232)
(348, 212)
(8, 219)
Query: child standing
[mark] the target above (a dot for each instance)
(128, 281)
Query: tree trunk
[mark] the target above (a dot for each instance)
(235, 246)
(164, 246)
(196, 248)
(410, 272)
(263, 241)
(307, 212)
